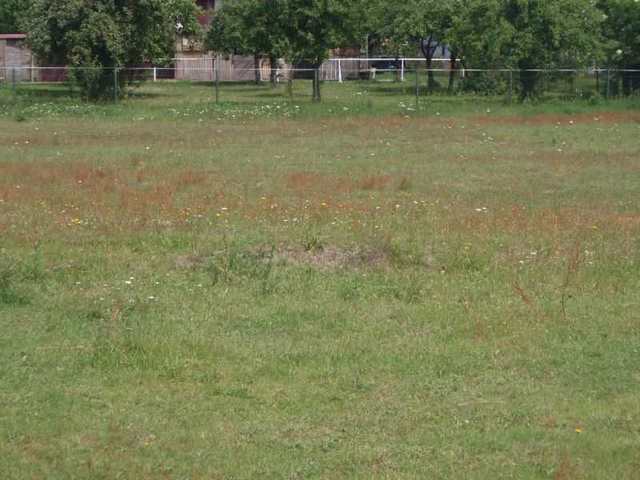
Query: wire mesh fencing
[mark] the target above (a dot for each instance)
(380, 77)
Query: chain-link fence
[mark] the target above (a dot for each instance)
(405, 77)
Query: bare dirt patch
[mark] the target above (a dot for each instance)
(321, 258)
(332, 258)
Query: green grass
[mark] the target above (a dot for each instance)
(318, 292)
(196, 101)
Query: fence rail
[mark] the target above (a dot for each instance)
(568, 82)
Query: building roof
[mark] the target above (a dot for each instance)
(12, 36)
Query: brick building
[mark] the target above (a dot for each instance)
(194, 62)
(15, 58)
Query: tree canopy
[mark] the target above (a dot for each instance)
(93, 36)
(299, 30)
(516, 34)
(10, 15)
(247, 27)
(621, 29)
(543, 35)
(526, 35)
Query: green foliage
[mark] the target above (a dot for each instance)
(94, 37)
(248, 27)
(526, 35)
(300, 30)
(479, 32)
(313, 27)
(297, 29)
(546, 34)
(523, 35)
(414, 21)
(10, 15)
(419, 24)
(519, 34)
(621, 29)
(227, 31)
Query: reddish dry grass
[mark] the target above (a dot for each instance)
(559, 119)
(375, 182)
(566, 470)
(137, 194)
(308, 182)
(59, 194)
(516, 219)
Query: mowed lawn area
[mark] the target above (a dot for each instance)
(356, 290)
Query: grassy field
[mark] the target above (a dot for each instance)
(267, 288)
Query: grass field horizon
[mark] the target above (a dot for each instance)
(268, 288)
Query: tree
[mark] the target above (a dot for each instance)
(479, 32)
(95, 37)
(391, 23)
(417, 24)
(312, 28)
(226, 34)
(543, 34)
(365, 22)
(528, 36)
(10, 15)
(250, 27)
(477, 36)
(621, 29)
(448, 12)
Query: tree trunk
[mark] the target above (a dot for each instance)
(453, 69)
(273, 77)
(529, 80)
(256, 66)
(428, 51)
(431, 81)
(316, 83)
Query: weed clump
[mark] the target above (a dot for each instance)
(9, 294)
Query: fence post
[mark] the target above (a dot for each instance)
(155, 74)
(339, 71)
(510, 86)
(316, 84)
(290, 84)
(402, 70)
(13, 78)
(115, 84)
(216, 79)
(417, 88)
(608, 94)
